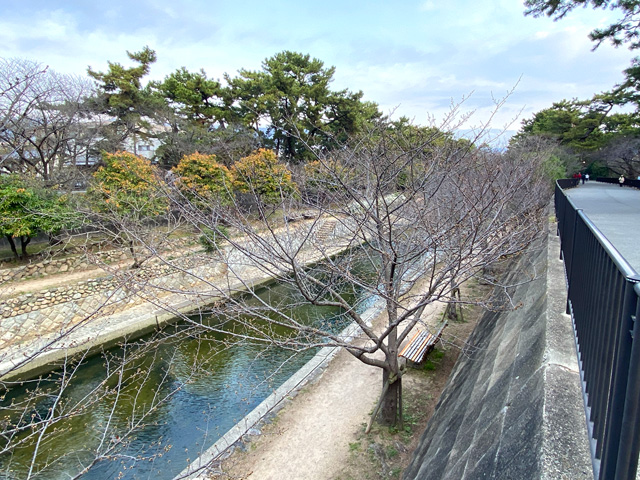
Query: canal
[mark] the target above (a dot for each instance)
(147, 408)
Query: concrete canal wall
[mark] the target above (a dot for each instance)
(44, 327)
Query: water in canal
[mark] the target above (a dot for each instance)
(195, 384)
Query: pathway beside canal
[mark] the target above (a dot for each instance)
(320, 435)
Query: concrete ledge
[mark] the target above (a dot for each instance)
(565, 448)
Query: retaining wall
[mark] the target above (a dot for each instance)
(75, 259)
(45, 327)
(31, 302)
(513, 407)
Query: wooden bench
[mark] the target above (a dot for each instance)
(421, 344)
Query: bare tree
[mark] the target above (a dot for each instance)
(14, 85)
(40, 112)
(621, 155)
(413, 218)
(63, 424)
(398, 217)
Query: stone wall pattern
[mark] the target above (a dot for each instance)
(78, 259)
(58, 309)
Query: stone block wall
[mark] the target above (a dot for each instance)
(76, 259)
(54, 311)
(29, 302)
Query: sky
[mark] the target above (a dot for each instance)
(415, 58)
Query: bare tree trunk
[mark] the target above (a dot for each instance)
(136, 263)
(390, 410)
(451, 312)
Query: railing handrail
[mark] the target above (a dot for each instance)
(628, 182)
(604, 301)
(623, 265)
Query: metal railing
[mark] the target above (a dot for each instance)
(628, 182)
(604, 302)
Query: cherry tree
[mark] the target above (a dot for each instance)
(402, 219)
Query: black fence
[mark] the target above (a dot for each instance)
(628, 182)
(604, 303)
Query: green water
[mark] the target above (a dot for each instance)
(152, 405)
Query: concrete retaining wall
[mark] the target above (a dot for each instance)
(31, 302)
(513, 408)
(83, 316)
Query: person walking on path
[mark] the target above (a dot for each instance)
(586, 177)
(621, 180)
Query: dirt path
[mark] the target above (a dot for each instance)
(319, 435)
(311, 437)
(44, 283)
(30, 285)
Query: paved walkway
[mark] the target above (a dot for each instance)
(615, 211)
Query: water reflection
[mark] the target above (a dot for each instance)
(153, 405)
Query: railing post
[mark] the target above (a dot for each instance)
(622, 369)
(569, 263)
(562, 224)
(629, 441)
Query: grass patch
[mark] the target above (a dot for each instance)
(433, 360)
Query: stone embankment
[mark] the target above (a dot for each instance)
(30, 302)
(43, 268)
(40, 328)
(73, 319)
(74, 259)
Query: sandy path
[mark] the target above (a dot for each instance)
(310, 439)
(44, 283)
(311, 436)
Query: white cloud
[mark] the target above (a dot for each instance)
(428, 6)
(542, 35)
(419, 55)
